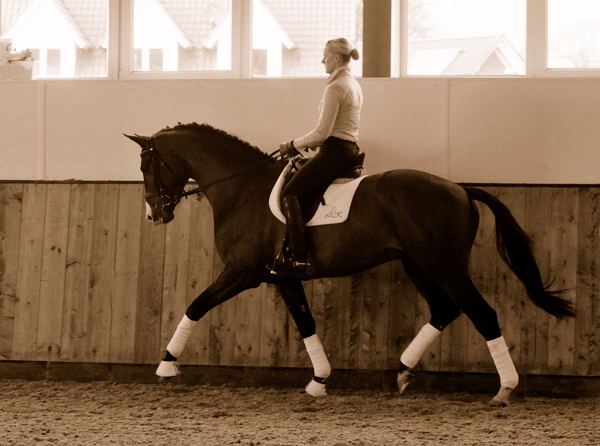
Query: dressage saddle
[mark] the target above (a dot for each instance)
(310, 203)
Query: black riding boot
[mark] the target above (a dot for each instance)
(292, 259)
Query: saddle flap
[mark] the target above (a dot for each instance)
(337, 197)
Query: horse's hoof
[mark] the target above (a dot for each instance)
(316, 389)
(404, 379)
(168, 369)
(502, 398)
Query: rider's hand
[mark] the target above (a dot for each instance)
(287, 149)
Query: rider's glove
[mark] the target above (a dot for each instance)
(287, 149)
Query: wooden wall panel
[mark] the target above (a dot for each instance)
(349, 304)
(31, 244)
(510, 293)
(273, 329)
(147, 346)
(102, 272)
(200, 276)
(246, 327)
(11, 198)
(74, 330)
(534, 328)
(54, 256)
(84, 278)
(587, 328)
(374, 314)
(126, 282)
(563, 267)
(402, 311)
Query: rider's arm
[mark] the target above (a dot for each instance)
(327, 116)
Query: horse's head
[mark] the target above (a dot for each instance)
(164, 177)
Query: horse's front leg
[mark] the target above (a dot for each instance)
(295, 300)
(226, 286)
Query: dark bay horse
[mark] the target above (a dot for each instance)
(425, 221)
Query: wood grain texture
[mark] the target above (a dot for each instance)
(563, 264)
(31, 248)
(84, 278)
(11, 198)
(587, 327)
(102, 272)
(75, 320)
(510, 292)
(148, 318)
(126, 278)
(200, 275)
(534, 329)
(402, 311)
(52, 286)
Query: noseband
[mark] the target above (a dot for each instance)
(165, 198)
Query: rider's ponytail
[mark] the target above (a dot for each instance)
(344, 48)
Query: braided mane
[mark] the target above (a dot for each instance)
(206, 128)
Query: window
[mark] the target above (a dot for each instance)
(289, 35)
(466, 37)
(69, 37)
(175, 35)
(573, 34)
(271, 38)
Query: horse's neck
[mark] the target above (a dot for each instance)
(232, 175)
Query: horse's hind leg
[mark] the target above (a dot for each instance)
(295, 300)
(442, 312)
(471, 302)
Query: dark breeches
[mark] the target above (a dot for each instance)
(334, 156)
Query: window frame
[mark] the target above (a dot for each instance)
(120, 33)
(536, 51)
(542, 21)
(241, 18)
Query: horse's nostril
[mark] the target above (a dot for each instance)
(148, 212)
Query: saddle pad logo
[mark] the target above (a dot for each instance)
(333, 212)
(338, 198)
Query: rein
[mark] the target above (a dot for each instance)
(168, 198)
(199, 189)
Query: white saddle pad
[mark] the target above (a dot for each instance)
(338, 198)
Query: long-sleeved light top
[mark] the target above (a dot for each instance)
(339, 111)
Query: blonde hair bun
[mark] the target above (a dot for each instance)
(344, 47)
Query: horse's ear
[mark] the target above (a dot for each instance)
(141, 140)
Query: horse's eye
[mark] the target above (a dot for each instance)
(145, 164)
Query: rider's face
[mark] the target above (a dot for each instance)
(330, 60)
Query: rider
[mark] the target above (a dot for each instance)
(335, 137)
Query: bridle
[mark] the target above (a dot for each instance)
(168, 198)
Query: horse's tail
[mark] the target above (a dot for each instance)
(514, 246)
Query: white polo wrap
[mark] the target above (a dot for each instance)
(181, 336)
(504, 364)
(317, 355)
(425, 337)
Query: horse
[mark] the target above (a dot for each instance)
(427, 222)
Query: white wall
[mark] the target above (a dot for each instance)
(467, 130)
